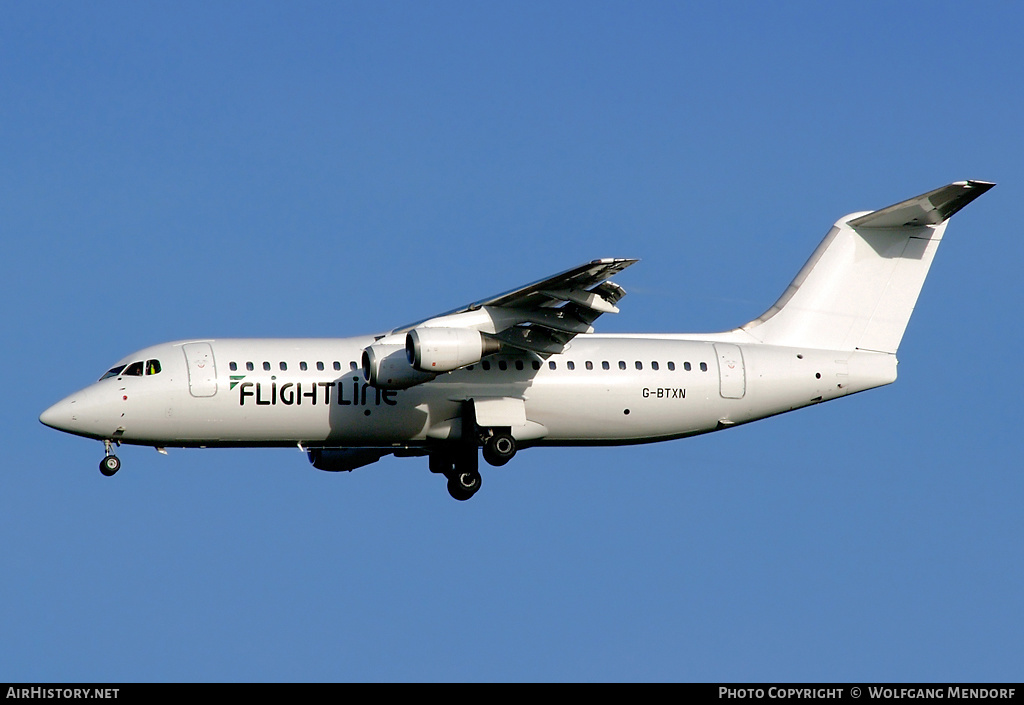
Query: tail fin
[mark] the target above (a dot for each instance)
(858, 289)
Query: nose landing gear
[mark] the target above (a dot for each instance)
(110, 463)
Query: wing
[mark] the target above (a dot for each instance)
(544, 316)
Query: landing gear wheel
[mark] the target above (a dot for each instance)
(463, 484)
(461, 467)
(110, 465)
(499, 449)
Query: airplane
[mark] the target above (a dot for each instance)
(525, 368)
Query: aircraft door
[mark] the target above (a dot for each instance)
(731, 374)
(202, 373)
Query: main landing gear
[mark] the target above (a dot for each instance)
(461, 463)
(499, 447)
(110, 463)
(461, 467)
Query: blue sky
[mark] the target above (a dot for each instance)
(325, 169)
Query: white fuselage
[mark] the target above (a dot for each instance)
(602, 389)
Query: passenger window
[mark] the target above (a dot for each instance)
(622, 364)
(639, 365)
(249, 366)
(353, 366)
(671, 367)
(703, 367)
(266, 367)
(320, 366)
(536, 364)
(486, 364)
(654, 366)
(590, 365)
(686, 366)
(519, 364)
(605, 365)
(283, 366)
(552, 365)
(502, 365)
(134, 369)
(337, 366)
(302, 366)
(233, 366)
(153, 367)
(571, 365)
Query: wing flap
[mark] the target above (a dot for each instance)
(538, 293)
(581, 297)
(543, 341)
(544, 316)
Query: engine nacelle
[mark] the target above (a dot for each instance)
(343, 459)
(386, 367)
(447, 349)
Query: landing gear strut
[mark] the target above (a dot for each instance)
(110, 463)
(460, 461)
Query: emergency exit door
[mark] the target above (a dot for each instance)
(732, 377)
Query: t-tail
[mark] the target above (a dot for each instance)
(858, 289)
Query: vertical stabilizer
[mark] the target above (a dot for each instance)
(858, 289)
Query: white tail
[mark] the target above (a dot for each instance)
(858, 289)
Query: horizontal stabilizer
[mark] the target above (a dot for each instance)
(931, 208)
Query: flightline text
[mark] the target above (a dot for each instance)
(354, 393)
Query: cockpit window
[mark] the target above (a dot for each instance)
(136, 369)
(113, 372)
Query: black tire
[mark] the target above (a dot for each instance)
(110, 465)
(463, 485)
(499, 449)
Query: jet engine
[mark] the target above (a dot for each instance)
(446, 349)
(385, 367)
(343, 459)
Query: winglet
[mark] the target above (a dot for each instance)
(931, 208)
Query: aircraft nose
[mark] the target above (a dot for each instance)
(60, 415)
(94, 412)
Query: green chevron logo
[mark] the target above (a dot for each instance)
(235, 379)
